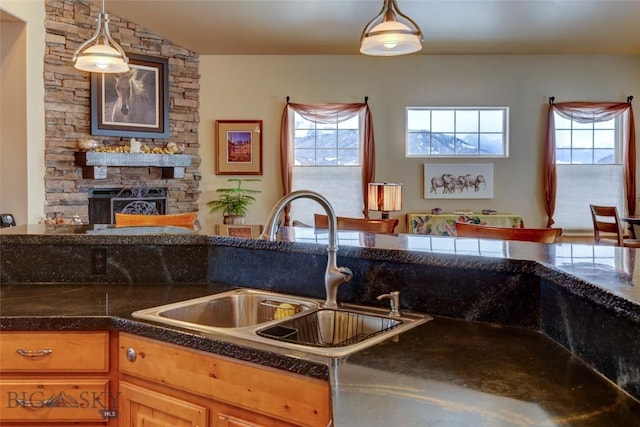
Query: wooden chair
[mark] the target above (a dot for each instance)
(137, 220)
(358, 224)
(541, 235)
(607, 228)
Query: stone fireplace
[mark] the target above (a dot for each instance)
(104, 203)
(81, 188)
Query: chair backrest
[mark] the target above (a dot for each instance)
(606, 220)
(137, 220)
(541, 235)
(358, 224)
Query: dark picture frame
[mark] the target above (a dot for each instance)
(132, 104)
(238, 147)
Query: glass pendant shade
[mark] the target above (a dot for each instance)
(105, 56)
(101, 59)
(386, 35)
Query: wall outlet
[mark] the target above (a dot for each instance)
(99, 261)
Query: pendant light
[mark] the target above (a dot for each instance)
(390, 33)
(105, 56)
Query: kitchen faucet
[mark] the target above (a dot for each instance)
(334, 276)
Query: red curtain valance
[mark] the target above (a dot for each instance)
(324, 113)
(590, 112)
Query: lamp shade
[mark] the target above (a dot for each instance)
(389, 39)
(390, 33)
(101, 53)
(101, 58)
(385, 197)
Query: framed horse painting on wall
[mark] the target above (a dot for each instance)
(458, 181)
(134, 103)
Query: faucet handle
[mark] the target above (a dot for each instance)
(347, 274)
(394, 300)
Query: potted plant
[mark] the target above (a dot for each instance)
(234, 201)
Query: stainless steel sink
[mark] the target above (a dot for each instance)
(330, 328)
(239, 308)
(339, 332)
(284, 321)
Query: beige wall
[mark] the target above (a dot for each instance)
(30, 48)
(13, 116)
(255, 87)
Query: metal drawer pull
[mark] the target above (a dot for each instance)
(34, 353)
(35, 403)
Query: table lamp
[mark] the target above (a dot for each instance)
(385, 197)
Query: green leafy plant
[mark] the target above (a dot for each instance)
(234, 201)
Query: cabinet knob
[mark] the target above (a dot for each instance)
(132, 355)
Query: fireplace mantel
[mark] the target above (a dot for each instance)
(94, 165)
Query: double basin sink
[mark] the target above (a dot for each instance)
(285, 321)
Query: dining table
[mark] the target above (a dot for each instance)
(632, 221)
(444, 224)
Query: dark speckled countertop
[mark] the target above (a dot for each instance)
(447, 372)
(109, 306)
(466, 374)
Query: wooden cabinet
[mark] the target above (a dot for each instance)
(106, 379)
(143, 407)
(210, 390)
(59, 377)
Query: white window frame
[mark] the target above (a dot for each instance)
(504, 132)
(352, 206)
(574, 216)
(618, 142)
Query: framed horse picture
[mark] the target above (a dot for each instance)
(132, 104)
(458, 181)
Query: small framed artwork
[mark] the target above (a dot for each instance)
(245, 231)
(132, 104)
(239, 147)
(458, 181)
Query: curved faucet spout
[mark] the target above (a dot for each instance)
(334, 276)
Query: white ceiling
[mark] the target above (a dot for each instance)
(327, 27)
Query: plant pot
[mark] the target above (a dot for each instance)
(233, 219)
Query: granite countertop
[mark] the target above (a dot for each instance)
(443, 373)
(607, 275)
(450, 372)
(109, 306)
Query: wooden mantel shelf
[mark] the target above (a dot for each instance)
(94, 164)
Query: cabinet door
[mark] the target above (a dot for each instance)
(145, 408)
(282, 396)
(225, 420)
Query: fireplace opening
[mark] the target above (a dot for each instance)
(104, 203)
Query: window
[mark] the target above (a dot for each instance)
(587, 143)
(457, 132)
(327, 159)
(589, 169)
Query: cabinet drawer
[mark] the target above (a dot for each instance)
(54, 351)
(55, 400)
